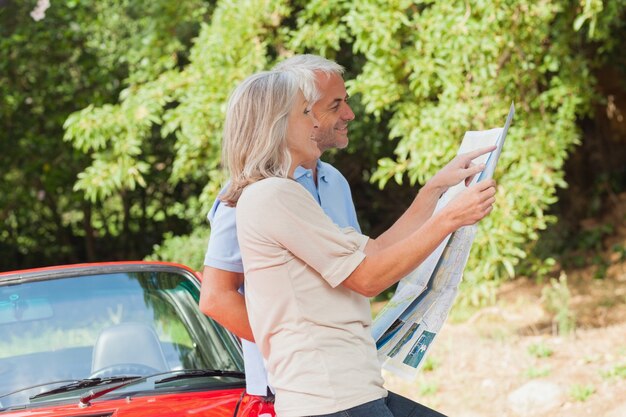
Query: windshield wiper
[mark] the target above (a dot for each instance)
(85, 383)
(85, 399)
(63, 381)
(198, 373)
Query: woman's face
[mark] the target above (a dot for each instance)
(301, 127)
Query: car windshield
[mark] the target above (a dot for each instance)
(105, 325)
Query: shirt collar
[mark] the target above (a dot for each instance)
(321, 172)
(300, 172)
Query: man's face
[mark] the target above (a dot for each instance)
(332, 112)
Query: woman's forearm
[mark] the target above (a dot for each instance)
(386, 263)
(384, 266)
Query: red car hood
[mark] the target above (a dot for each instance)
(221, 403)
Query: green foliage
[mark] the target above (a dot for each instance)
(432, 75)
(615, 372)
(184, 107)
(428, 388)
(45, 73)
(581, 393)
(476, 291)
(137, 90)
(533, 372)
(144, 37)
(620, 250)
(556, 299)
(462, 311)
(430, 364)
(187, 250)
(537, 267)
(540, 350)
(592, 238)
(566, 245)
(78, 56)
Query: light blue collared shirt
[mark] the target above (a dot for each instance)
(332, 193)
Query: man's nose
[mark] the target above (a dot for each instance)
(347, 113)
(316, 123)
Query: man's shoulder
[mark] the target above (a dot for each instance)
(220, 210)
(327, 167)
(331, 174)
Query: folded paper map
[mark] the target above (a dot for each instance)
(405, 328)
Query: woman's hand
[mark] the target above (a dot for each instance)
(472, 204)
(459, 169)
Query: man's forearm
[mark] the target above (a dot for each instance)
(235, 317)
(221, 300)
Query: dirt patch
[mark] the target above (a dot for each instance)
(476, 365)
(474, 374)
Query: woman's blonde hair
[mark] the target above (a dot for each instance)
(254, 145)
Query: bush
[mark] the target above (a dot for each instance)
(187, 250)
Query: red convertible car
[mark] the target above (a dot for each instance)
(116, 339)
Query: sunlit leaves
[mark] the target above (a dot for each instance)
(455, 66)
(425, 70)
(185, 106)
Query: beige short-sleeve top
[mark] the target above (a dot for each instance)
(313, 332)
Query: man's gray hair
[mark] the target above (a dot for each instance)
(309, 62)
(305, 66)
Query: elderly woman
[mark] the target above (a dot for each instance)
(307, 281)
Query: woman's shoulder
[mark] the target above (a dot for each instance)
(269, 189)
(271, 184)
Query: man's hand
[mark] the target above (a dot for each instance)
(459, 169)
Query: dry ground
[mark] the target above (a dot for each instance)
(474, 366)
(477, 364)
